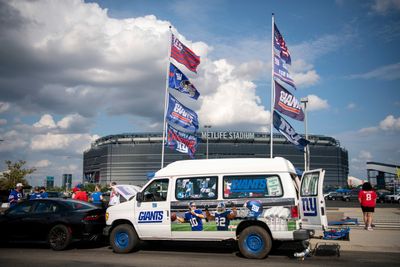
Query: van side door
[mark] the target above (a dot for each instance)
(152, 214)
(312, 202)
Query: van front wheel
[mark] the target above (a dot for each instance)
(124, 239)
(255, 242)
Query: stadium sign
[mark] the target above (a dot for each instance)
(228, 135)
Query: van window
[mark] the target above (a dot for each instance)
(252, 186)
(196, 188)
(156, 191)
(309, 184)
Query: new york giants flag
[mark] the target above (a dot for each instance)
(178, 81)
(280, 45)
(281, 72)
(287, 104)
(287, 130)
(184, 55)
(181, 142)
(181, 115)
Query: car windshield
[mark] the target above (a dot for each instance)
(78, 205)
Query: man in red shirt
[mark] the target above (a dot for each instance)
(80, 194)
(367, 198)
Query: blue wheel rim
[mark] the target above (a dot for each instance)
(254, 243)
(121, 240)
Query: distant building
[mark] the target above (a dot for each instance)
(67, 181)
(382, 175)
(133, 157)
(49, 181)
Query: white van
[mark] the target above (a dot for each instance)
(251, 200)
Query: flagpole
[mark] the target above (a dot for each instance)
(166, 100)
(271, 145)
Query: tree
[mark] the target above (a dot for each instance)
(15, 174)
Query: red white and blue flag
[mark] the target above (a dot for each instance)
(180, 115)
(287, 104)
(281, 72)
(280, 45)
(181, 142)
(184, 55)
(178, 81)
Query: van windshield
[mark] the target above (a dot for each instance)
(254, 186)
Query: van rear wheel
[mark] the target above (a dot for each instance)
(255, 242)
(124, 239)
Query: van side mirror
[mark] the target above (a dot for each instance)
(139, 196)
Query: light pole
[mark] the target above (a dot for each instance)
(207, 127)
(306, 151)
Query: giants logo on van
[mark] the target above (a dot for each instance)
(248, 185)
(310, 206)
(150, 217)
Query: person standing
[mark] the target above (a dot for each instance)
(81, 193)
(36, 194)
(16, 195)
(43, 192)
(114, 195)
(367, 198)
(97, 197)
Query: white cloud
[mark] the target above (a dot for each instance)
(42, 163)
(384, 6)
(13, 141)
(316, 103)
(46, 121)
(351, 106)
(390, 123)
(388, 73)
(4, 106)
(234, 103)
(70, 142)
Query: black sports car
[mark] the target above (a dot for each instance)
(58, 222)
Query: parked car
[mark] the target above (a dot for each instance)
(333, 196)
(56, 222)
(393, 198)
(381, 196)
(351, 196)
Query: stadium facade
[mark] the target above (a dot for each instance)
(132, 158)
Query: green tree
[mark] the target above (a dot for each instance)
(15, 174)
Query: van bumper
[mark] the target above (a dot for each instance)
(301, 234)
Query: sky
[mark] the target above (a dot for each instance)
(73, 71)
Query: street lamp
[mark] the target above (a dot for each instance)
(306, 149)
(207, 127)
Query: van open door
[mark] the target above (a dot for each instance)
(312, 202)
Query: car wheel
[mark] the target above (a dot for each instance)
(255, 242)
(124, 239)
(59, 237)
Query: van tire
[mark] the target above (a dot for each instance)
(255, 242)
(124, 239)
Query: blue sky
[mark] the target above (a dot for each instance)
(74, 71)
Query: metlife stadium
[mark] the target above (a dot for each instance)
(132, 158)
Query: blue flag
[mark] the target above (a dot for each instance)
(181, 115)
(178, 81)
(281, 72)
(181, 142)
(280, 45)
(287, 130)
(287, 104)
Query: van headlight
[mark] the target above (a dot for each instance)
(106, 216)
